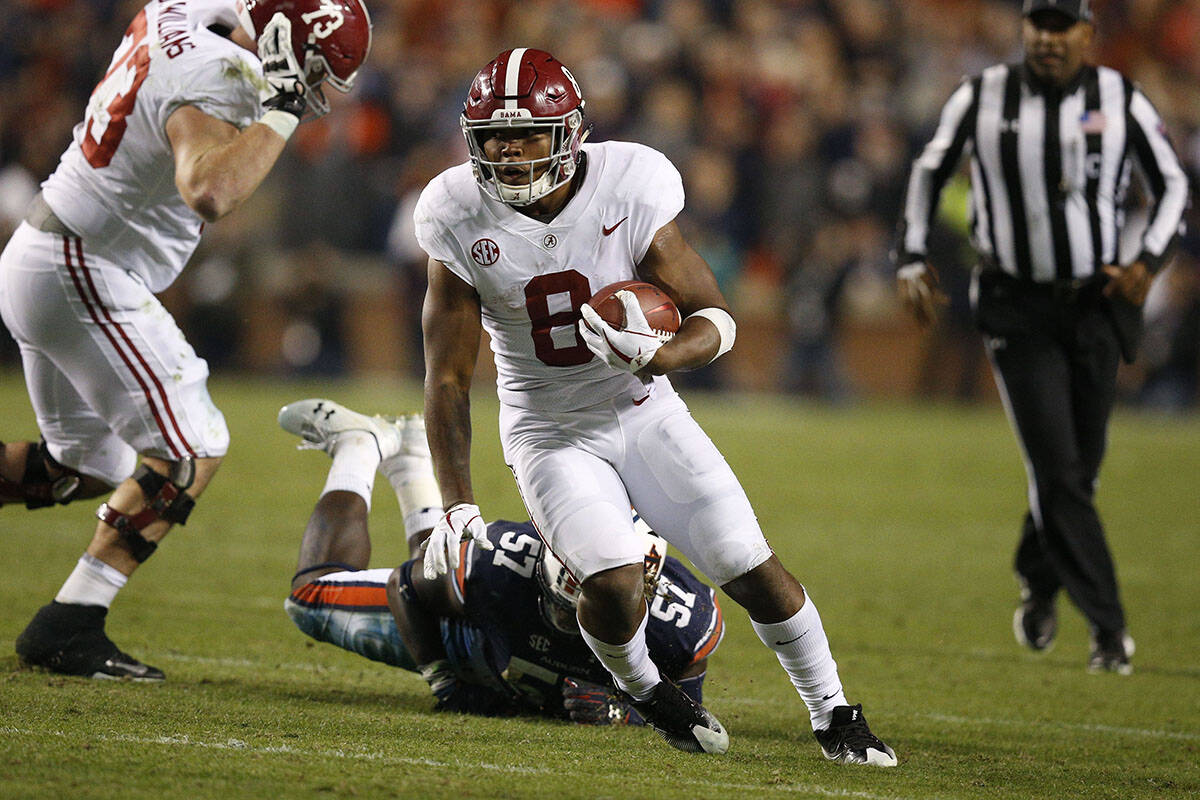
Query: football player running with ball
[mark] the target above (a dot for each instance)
(496, 637)
(192, 113)
(518, 240)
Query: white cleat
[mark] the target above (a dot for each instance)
(319, 422)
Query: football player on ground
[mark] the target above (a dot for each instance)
(518, 239)
(189, 118)
(497, 636)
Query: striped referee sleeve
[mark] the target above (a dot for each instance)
(1168, 182)
(933, 168)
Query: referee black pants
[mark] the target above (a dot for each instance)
(1054, 353)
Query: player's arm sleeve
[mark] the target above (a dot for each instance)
(713, 632)
(1167, 180)
(933, 168)
(434, 236)
(460, 579)
(660, 201)
(686, 626)
(223, 88)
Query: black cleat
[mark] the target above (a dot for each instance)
(681, 721)
(848, 740)
(1110, 652)
(1035, 623)
(70, 640)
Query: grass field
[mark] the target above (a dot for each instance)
(900, 520)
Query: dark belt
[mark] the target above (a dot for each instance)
(41, 216)
(1070, 290)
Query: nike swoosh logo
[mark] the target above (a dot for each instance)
(642, 400)
(829, 696)
(608, 231)
(795, 638)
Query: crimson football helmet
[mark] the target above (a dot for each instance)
(331, 39)
(560, 590)
(525, 88)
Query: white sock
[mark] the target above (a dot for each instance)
(416, 489)
(629, 663)
(355, 458)
(803, 650)
(91, 583)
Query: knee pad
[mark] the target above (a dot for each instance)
(166, 499)
(37, 488)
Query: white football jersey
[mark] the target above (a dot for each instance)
(115, 184)
(532, 276)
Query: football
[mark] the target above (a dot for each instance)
(659, 309)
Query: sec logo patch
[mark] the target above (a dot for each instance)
(485, 252)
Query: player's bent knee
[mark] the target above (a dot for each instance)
(46, 482)
(622, 586)
(768, 592)
(165, 497)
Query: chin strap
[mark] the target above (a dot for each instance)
(166, 499)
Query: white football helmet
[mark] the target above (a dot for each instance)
(560, 590)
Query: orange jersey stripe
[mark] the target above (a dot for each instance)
(460, 574)
(714, 638)
(341, 595)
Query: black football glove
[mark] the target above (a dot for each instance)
(285, 89)
(459, 697)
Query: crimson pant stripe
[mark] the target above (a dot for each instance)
(154, 378)
(91, 308)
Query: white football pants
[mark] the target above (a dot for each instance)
(108, 371)
(580, 471)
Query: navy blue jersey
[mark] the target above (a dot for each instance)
(506, 634)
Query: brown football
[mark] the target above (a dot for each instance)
(659, 309)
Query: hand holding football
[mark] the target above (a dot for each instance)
(659, 309)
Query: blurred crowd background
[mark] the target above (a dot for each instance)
(794, 123)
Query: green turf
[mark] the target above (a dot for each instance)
(900, 521)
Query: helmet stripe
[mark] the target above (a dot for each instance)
(511, 74)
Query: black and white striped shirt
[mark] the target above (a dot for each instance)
(1049, 172)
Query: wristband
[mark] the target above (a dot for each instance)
(726, 328)
(281, 122)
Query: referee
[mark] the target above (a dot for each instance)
(1053, 144)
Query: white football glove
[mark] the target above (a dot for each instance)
(280, 67)
(629, 349)
(918, 287)
(462, 522)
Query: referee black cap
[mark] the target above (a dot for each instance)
(1079, 10)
